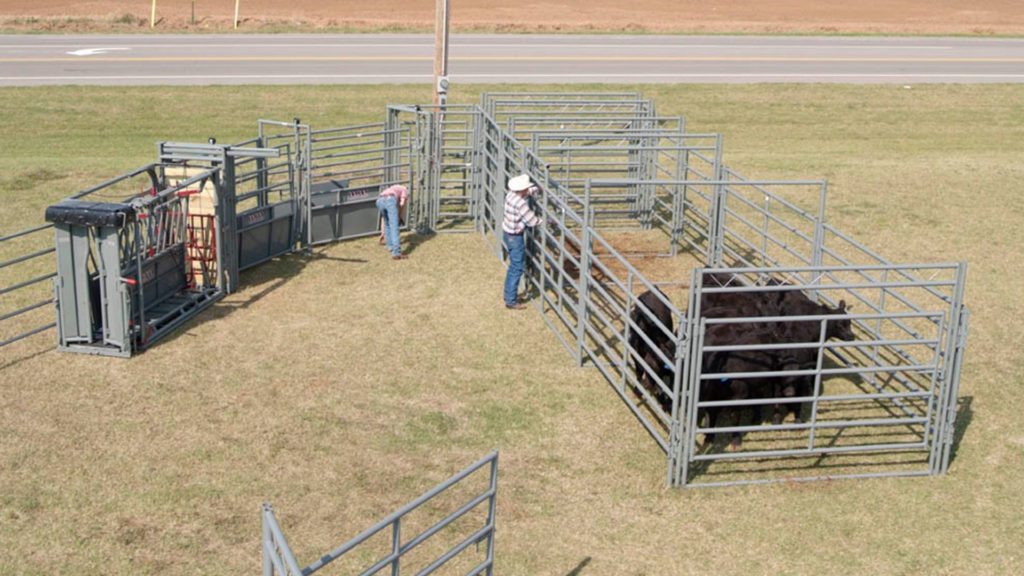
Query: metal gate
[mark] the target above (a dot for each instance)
(26, 296)
(279, 559)
(887, 390)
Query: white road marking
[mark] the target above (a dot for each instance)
(95, 51)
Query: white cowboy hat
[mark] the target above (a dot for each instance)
(519, 183)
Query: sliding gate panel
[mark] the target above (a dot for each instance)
(341, 213)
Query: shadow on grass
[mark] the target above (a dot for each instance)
(30, 354)
(414, 241)
(964, 415)
(579, 567)
(268, 276)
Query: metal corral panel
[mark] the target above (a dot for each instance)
(264, 233)
(340, 213)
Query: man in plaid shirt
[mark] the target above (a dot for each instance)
(518, 216)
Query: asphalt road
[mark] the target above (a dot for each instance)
(379, 58)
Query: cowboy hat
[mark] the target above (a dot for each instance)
(519, 183)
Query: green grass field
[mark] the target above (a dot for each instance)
(341, 385)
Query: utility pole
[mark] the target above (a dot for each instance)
(441, 54)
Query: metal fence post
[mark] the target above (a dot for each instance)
(396, 546)
(676, 428)
(491, 509)
(584, 270)
(268, 566)
(691, 386)
(955, 368)
(819, 236)
(476, 169)
(953, 355)
(717, 216)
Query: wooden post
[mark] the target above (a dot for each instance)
(440, 51)
(152, 15)
(236, 14)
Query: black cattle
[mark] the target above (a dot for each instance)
(808, 331)
(727, 388)
(755, 304)
(645, 316)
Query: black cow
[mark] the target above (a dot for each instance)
(646, 315)
(798, 304)
(733, 362)
(754, 304)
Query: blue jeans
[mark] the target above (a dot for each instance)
(516, 247)
(388, 208)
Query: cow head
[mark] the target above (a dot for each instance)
(841, 329)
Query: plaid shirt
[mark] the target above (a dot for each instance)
(518, 214)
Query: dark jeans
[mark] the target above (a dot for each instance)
(516, 247)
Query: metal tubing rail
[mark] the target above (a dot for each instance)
(25, 232)
(26, 257)
(365, 155)
(811, 452)
(26, 283)
(619, 360)
(390, 519)
(272, 535)
(650, 428)
(596, 236)
(823, 371)
(600, 133)
(743, 181)
(359, 130)
(866, 251)
(528, 103)
(860, 271)
(771, 215)
(859, 397)
(819, 478)
(148, 169)
(830, 424)
(374, 147)
(146, 199)
(27, 309)
(732, 236)
(622, 149)
(32, 332)
(830, 268)
(816, 317)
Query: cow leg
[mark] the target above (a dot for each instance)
(739, 390)
(787, 388)
(803, 388)
(712, 418)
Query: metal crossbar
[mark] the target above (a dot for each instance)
(279, 559)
